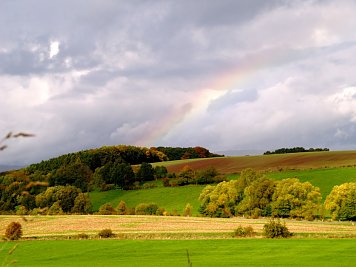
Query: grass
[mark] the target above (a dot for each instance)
(167, 197)
(325, 179)
(231, 252)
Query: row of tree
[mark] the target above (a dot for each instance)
(177, 153)
(96, 158)
(255, 195)
(294, 150)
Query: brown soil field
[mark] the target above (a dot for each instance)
(163, 226)
(308, 160)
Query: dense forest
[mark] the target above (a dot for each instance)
(294, 150)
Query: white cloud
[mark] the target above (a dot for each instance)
(53, 49)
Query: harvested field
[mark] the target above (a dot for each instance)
(309, 160)
(161, 227)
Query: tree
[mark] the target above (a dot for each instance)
(292, 198)
(145, 172)
(82, 204)
(122, 208)
(160, 172)
(257, 198)
(342, 202)
(77, 174)
(121, 174)
(106, 209)
(13, 231)
(219, 200)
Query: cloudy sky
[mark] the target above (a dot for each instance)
(227, 74)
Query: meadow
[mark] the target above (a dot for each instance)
(229, 252)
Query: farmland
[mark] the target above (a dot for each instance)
(298, 161)
(322, 169)
(162, 241)
(161, 227)
(218, 252)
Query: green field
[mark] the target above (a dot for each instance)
(167, 197)
(325, 179)
(229, 252)
(177, 197)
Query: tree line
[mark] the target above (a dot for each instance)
(254, 195)
(294, 150)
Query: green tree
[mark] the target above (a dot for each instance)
(257, 198)
(219, 200)
(160, 172)
(342, 202)
(82, 204)
(145, 172)
(291, 198)
(77, 174)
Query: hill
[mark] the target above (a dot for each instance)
(275, 162)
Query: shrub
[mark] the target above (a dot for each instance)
(83, 236)
(160, 211)
(244, 231)
(146, 209)
(106, 209)
(106, 233)
(275, 229)
(122, 208)
(13, 231)
(188, 210)
(165, 182)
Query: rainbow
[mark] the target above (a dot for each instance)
(231, 80)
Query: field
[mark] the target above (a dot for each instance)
(298, 161)
(164, 227)
(163, 241)
(322, 169)
(168, 197)
(229, 252)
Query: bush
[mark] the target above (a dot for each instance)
(160, 211)
(106, 209)
(106, 233)
(244, 231)
(188, 210)
(146, 209)
(122, 208)
(165, 182)
(83, 236)
(13, 231)
(275, 229)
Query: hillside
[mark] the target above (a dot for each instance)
(298, 161)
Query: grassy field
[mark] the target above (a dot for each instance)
(230, 252)
(325, 179)
(167, 197)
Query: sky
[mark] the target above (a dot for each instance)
(225, 75)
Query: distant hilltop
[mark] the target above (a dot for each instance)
(295, 150)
